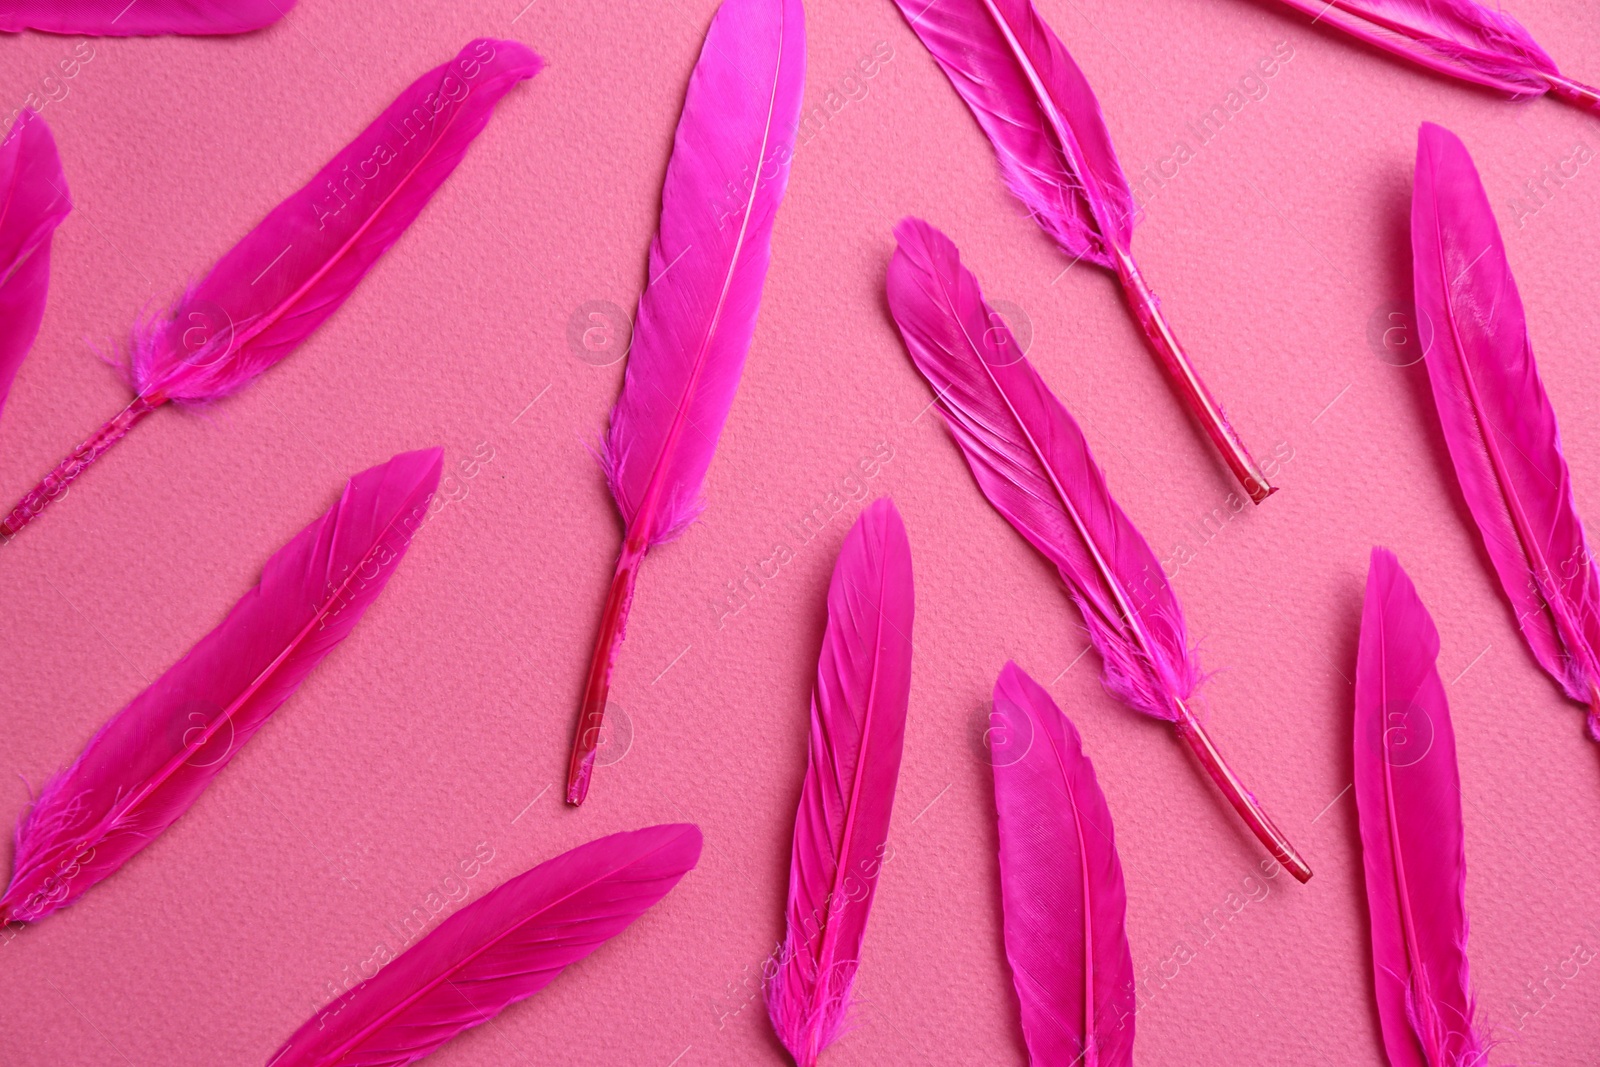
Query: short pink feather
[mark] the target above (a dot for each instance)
(141, 18)
(841, 828)
(1497, 419)
(33, 201)
(724, 184)
(497, 950)
(146, 766)
(1408, 796)
(1061, 889)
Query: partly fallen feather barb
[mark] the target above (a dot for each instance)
(33, 201)
(729, 167)
(1408, 796)
(841, 829)
(496, 951)
(1060, 885)
(1497, 419)
(148, 764)
(1032, 462)
(304, 260)
(142, 18)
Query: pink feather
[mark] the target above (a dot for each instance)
(1408, 795)
(841, 829)
(303, 260)
(141, 18)
(1458, 38)
(729, 167)
(497, 950)
(33, 201)
(1497, 419)
(147, 765)
(1055, 152)
(1031, 460)
(1060, 885)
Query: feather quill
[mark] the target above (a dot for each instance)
(1497, 419)
(304, 260)
(1408, 796)
(498, 950)
(1032, 462)
(1055, 153)
(725, 181)
(146, 766)
(1458, 38)
(1061, 885)
(142, 18)
(33, 201)
(841, 828)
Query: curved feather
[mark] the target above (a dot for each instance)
(1497, 419)
(841, 829)
(1032, 462)
(1408, 796)
(1060, 885)
(1041, 115)
(729, 167)
(33, 201)
(304, 259)
(141, 18)
(1458, 38)
(498, 950)
(147, 765)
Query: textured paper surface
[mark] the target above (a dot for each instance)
(431, 744)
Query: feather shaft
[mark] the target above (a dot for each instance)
(55, 484)
(33, 201)
(142, 18)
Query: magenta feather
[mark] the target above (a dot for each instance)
(1497, 420)
(1408, 795)
(1060, 885)
(1458, 38)
(1031, 460)
(497, 950)
(141, 18)
(303, 260)
(33, 201)
(858, 725)
(1055, 152)
(729, 167)
(147, 765)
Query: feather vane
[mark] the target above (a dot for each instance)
(33, 201)
(142, 18)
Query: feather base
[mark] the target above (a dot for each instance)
(592, 713)
(1575, 93)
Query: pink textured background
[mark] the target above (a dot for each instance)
(444, 721)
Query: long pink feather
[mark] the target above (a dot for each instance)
(304, 260)
(1458, 38)
(147, 765)
(841, 829)
(1497, 420)
(496, 951)
(1060, 885)
(141, 18)
(33, 201)
(1055, 152)
(729, 167)
(1031, 460)
(1408, 795)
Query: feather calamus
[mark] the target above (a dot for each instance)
(725, 181)
(1032, 462)
(1056, 155)
(841, 828)
(33, 201)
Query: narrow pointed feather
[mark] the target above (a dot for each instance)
(724, 184)
(1408, 796)
(33, 201)
(283, 280)
(1061, 887)
(1032, 462)
(497, 950)
(142, 18)
(841, 829)
(148, 764)
(1498, 421)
